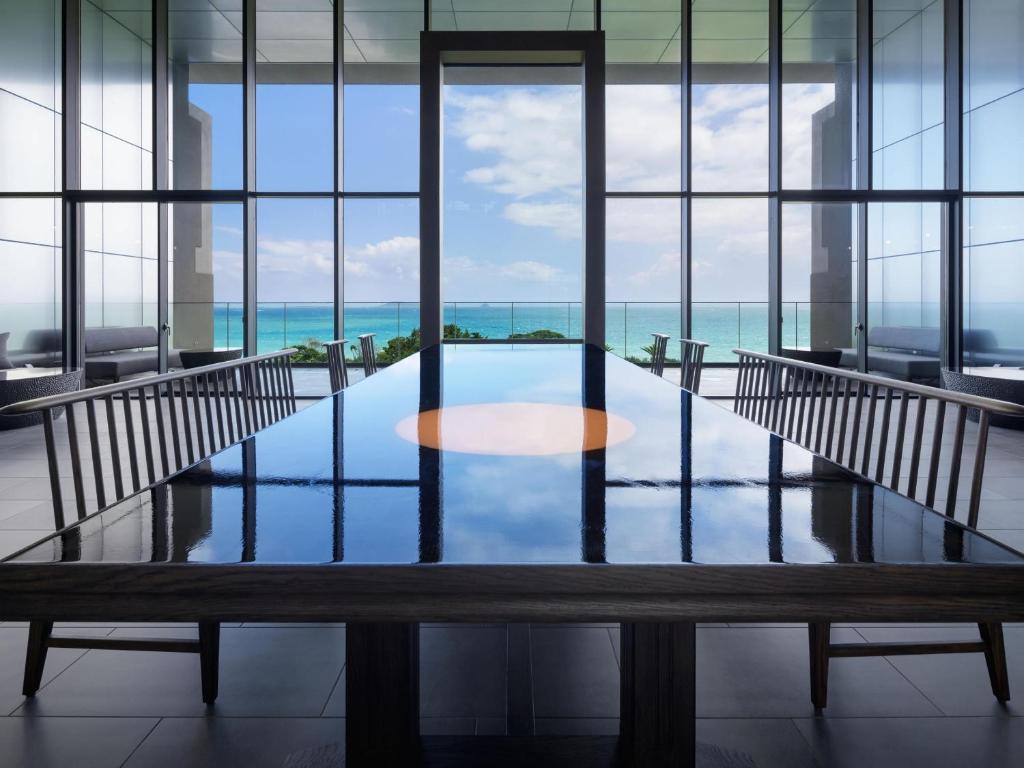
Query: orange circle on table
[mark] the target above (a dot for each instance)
(515, 429)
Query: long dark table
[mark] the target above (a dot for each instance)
(347, 511)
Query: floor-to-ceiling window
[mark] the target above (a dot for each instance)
(758, 193)
(644, 177)
(993, 227)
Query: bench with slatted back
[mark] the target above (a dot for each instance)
(848, 417)
(691, 363)
(369, 353)
(184, 418)
(336, 364)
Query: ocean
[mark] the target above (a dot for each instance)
(628, 326)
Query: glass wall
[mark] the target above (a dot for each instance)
(994, 282)
(117, 95)
(907, 95)
(120, 265)
(30, 291)
(644, 154)
(295, 97)
(729, 274)
(512, 244)
(819, 91)
(30, 96)
(729, 113)
(704, 203)
(294, 273)
(382, 262)
(381, 135)
(206, 277)
(993, 95)
(205, 95)
(819, 279)
(904, 278)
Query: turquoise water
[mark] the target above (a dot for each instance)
(628, 326)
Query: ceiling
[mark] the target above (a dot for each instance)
(637, 31)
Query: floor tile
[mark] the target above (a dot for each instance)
(912, 742)
(462, 672)
(1002, 514)
(35, 516)
(767, 743)
(263, 672)
(575, 672)
(13, 642)
(250, 742)
(447, 726)
(577, 726)
(764, 673)
(13, 541)
(13, 507)
(956, 683)
(60, 742)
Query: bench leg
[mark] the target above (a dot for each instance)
(209, 658)
(35, 655)
(819, 636)
(995, 659)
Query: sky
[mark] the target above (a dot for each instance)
(512, 191)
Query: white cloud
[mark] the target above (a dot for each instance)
(643, 137)
(565, 218)
(306, 256)
(536, 137)
(532, 271)
(387, 270)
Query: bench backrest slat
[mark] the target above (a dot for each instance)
(791, 398)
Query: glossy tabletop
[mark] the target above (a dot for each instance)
(681, 480)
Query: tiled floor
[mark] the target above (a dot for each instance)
(282, 687)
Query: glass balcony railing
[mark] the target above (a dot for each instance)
(629, 325)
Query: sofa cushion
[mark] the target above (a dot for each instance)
(117, 339)
(4, 362)
(926, 341)
(115, 365)
(46, 341)
(35, 359)
(903, 365)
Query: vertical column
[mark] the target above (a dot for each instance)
(658, 703)
(430, 191)
(430, 471)
(594, 467)
(774, 176)
(382, 695)
(338, 546)
(594, 191)
(160, 175)
(249, 173)
(864, 181)
(685, 101)
(339, 169)
(72, 300)
(951, 299)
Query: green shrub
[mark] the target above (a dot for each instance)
(542, 333)
(310, 352)
(401, 347)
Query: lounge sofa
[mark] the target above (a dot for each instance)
(41, 349)
(113, 353)
(902, 352)
(981, 348)
(110, 353)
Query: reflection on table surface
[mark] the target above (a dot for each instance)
(693, 483)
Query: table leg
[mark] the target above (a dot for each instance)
(658, 700)
(382, 695)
